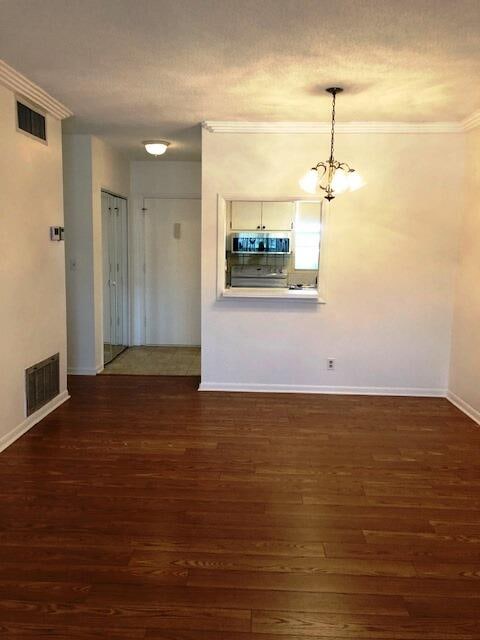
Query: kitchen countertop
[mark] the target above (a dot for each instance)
(273, 294)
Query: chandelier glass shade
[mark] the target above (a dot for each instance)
(331, 176)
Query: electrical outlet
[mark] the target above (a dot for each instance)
(331, 364)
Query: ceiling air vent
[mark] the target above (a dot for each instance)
(31, 121)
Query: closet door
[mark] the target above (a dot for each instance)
(107, 275)
(119, 271)
(172, 271)
(115, 275)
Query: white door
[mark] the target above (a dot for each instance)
(120, 270)
(115, 270)
(106, 252)
(278, 216)
(172, 271)
(246, 215)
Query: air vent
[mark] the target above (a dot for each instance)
(42, 382)
(31, 121)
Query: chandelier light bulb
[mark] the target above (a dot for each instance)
(309, 181)
(355, 181)
(340, 182)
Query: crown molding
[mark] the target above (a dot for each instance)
(215, 126)
(472, 121)
(18, 83)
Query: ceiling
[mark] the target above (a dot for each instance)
(138, 69)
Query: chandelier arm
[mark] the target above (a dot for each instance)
(324, 167)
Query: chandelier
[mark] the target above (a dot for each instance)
(332, 177)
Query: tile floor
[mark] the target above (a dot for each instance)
(111, 351)
(158, 361)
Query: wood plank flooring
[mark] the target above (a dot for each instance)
(144, 509)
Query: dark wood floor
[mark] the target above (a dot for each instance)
(143, 509)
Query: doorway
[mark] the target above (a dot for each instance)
(166, 299)
(115, 275)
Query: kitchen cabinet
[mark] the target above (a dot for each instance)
(262, 216)
(246, 215)
(278, 216)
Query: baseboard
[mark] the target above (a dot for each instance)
(466, 408)
(287, 388)
(80, 371)
(28, 423)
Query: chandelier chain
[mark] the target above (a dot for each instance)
(333, 129)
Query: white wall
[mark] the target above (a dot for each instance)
(77, 174)
(390, 267)
(32, 280)
(90, 166)
(153, 179)
(165, 178)
(465, 358)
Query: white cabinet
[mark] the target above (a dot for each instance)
(246, 215)
(265, 216)
(278, 216)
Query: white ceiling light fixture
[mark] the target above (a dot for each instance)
(332, 177)
(156, 147)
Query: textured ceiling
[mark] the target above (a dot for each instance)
(137, 69)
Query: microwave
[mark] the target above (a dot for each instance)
(261, 242)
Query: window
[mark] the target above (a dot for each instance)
(307, 236)
(31, 121)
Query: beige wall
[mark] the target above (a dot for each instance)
(465, 357)
(389, 271)
(32, 276)
(90, 166)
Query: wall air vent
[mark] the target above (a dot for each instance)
(31, 121)
(42, 383)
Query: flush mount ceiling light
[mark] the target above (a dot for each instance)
(332, 177)
(156, 147)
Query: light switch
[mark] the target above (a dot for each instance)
(56, 233)
(177, 230)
